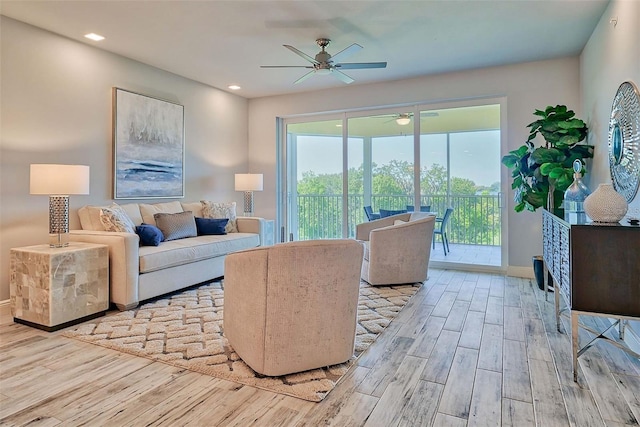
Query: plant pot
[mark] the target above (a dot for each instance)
(538, 271)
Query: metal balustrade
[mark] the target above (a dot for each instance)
(475, 220)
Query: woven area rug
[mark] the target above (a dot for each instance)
(185, 330)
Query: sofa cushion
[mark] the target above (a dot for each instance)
(150, 235)
(185, 251)
(114, 218)
(195, 207)
(211, 226)
(90, 216)
(176, 226)
(221, 210)
(148, 211)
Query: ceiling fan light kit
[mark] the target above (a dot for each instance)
(324, 63)
(403, 119)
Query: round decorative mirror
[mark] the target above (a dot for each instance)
(624, 140)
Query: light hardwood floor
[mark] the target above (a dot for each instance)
(470, 349)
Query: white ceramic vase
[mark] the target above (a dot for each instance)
(605, 205)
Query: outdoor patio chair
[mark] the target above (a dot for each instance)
(370, 214)
(388, 212)
(441, 229)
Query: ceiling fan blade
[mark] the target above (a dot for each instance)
(360, 65)
(285, 66)
(301, 53)
(342, 76)
(344, 53)
(305, 77)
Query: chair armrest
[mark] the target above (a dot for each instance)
(254, 224)
(124, 263)
(363, 230)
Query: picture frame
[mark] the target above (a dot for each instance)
(148, 147)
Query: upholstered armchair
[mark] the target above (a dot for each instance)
(292, 307)
(397, 248)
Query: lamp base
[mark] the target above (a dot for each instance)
(248, 203)
(58, 221)
(60, 240)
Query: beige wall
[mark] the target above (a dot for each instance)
(56, 108)
(526, 86)
(611, 56)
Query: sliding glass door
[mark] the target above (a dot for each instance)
(448, 158)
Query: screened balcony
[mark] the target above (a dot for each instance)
(473, 231)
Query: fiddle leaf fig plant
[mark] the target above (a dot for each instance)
(542, 174)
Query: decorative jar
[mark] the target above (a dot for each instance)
(605, 205)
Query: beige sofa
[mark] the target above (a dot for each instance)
(137, 273)
(397, 248)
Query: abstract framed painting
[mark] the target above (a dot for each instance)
(148, 147)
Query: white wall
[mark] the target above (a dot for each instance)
(611, 57)
(527, 86)
(56, 108)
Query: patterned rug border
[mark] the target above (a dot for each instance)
(114, 332)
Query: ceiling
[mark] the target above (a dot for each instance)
(220, 43)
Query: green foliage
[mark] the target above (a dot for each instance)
(536, 172)
(392, 185)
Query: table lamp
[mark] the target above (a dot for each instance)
(58, 182)
(248, 182)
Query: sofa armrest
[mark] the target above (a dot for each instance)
(363, 230)
(124, 263)
(254, 224)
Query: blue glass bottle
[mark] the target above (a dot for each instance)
(574, 197)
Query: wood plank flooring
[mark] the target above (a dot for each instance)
(470, 349)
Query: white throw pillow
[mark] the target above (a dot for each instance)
(114, 218)
(221, 210)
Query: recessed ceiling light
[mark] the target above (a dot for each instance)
(95, 37)
(234, 87)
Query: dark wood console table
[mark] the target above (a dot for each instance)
(596, 270)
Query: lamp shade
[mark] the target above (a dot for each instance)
(248, 182)
(59, 179)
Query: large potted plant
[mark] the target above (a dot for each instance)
(542, 174)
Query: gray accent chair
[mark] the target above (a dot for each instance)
(397, 248)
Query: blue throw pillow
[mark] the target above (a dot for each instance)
(385, 213)
(210, 226)
(150, 235)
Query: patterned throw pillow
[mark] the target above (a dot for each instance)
(177, 225)
(114, 218)
(221, 210)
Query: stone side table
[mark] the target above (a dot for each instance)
(52, 288)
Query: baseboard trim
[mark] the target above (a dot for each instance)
(515, 271)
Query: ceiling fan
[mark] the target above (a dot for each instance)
(404, 119)
(324, 63)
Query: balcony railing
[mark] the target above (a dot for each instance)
(475, 219)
